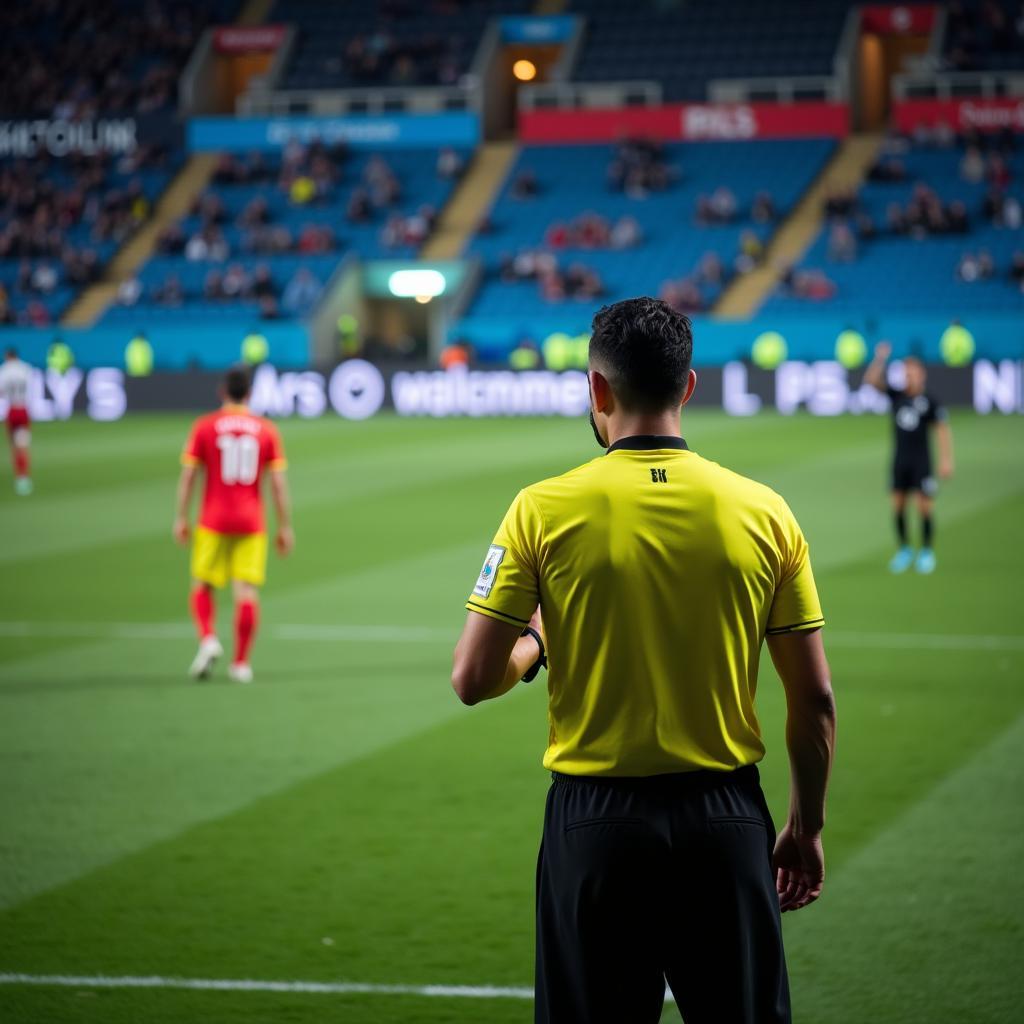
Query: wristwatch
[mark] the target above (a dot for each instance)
(542, 658)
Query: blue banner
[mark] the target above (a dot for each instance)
(210, 346)
(809, 337)
(394, 131)
(554, 28)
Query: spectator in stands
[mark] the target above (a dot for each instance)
(841, 202)
(213, 290)
(992, 206)
(262, 284)
(972, 165)
(255, 213)
(449, 164)
(762, 210)
(524, 185)
(710, 270)
(129, 292)
(235, 283)
(842, 243)
(44, 279)
(895, 221)
(625, 233)
(957, 218)
(207, 244)
(866, 229)
(269, 309)
(887, 169)
(718, 208)
(171, 241)
(1017, 268)
(683, 296)
(302, 190)
(170, 293)
(359, 209)
(301, 293)
(998, 171)
(1012, 213)
(750, 254)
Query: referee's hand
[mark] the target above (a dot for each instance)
(799, 864)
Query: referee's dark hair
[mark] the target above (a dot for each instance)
(643, 347)
(237, 383)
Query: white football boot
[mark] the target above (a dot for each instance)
(206, 657)
(240, 672)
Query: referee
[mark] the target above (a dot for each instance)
(649, 578)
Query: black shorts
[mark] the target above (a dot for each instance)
(665, 879)
(910, 474)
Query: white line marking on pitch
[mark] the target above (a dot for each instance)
(246, 985)
(383, 633)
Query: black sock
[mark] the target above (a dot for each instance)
(901, 528)
(927, 530)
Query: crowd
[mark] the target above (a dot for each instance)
(639, 167)
(722, 207)
(308, 177)
(593, 231)
(54, 216)
(576, 281)
(235, 283)
(977, 31)
(382, 58)
(77, 59)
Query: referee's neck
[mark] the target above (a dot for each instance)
(664, 424)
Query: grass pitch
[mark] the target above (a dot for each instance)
(345, 819)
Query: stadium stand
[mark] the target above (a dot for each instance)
(62, 220)
(264, 223)
(82, 58)
(685, 45)
(387, 42)
(929, 226)
(985, 36)
(677, 236)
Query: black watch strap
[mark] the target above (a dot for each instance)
(542, 658)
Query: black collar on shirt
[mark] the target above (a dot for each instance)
(648, 442)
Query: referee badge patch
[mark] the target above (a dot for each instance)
(488, 574)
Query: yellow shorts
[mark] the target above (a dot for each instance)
(219, 557)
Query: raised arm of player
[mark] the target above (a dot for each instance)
(285, 539)
(875, 373)
(799, 860)
(491, 657)
(944, 432)
(186, 482)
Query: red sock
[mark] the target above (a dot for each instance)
(21, 462)
(247, 617)
(201, 601)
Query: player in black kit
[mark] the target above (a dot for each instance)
(914, 414)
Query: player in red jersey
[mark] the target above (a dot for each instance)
(15, 377)
(234, 447)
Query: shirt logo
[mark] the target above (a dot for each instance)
(659, 476)
(489, 572)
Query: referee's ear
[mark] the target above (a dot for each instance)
(691, 383)
(600, 390)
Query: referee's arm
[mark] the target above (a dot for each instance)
(491, 657)
(799, 862)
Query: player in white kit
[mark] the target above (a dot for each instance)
(15, 377)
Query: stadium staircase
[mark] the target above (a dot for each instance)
(847, 169)
(175, 203)
(471, 201)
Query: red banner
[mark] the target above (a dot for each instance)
(247, 38)
(688, 121)
(898, 19)
(979, 115)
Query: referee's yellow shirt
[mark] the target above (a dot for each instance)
(658, 574)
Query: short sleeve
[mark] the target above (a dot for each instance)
(795, 605)
(938, 411)
(275, 449)
(192, 453)
(508, 588)
(892, 393)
